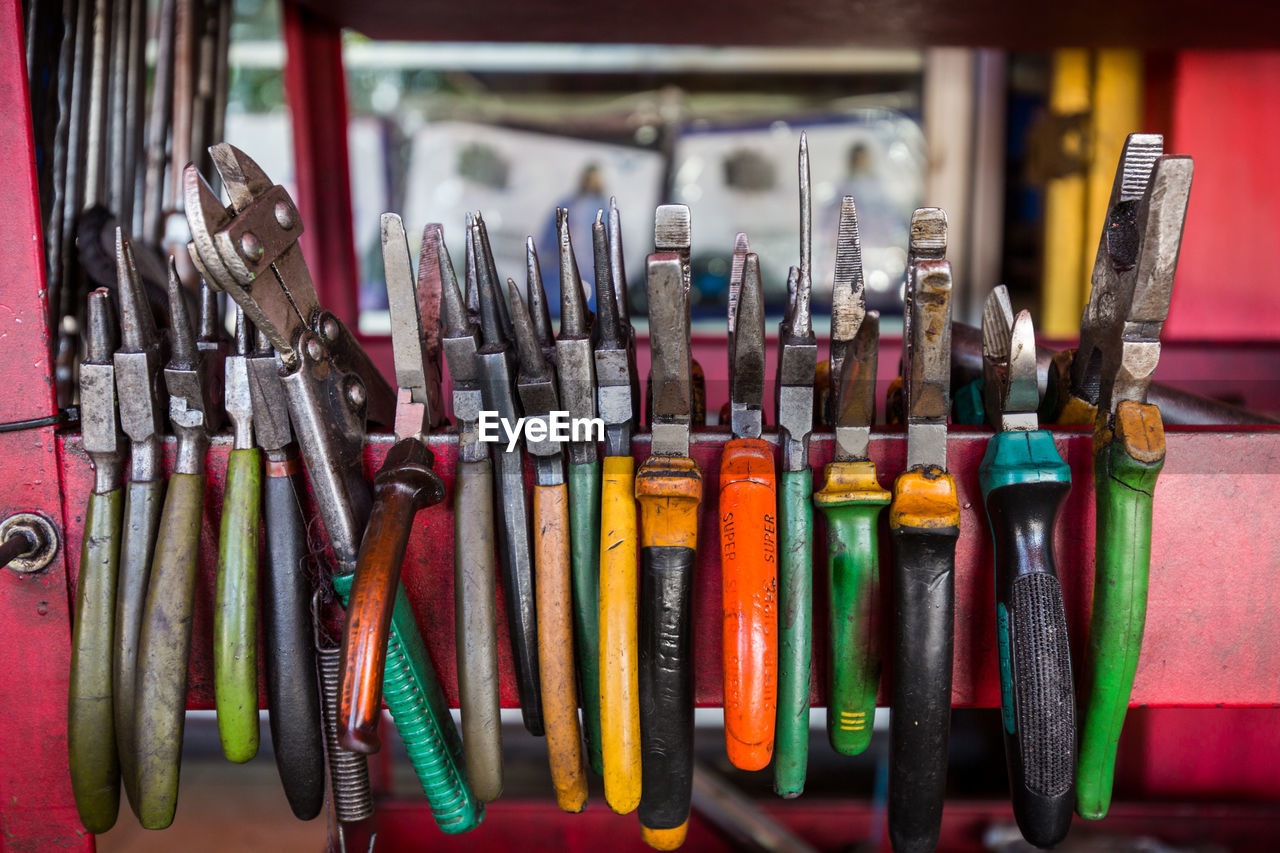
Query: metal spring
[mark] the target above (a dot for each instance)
(348, 771)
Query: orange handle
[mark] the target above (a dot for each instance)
(748, 550)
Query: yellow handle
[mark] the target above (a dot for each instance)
(619, 690)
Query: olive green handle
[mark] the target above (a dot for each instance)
(164, 649)
(584, 538)
(795, 632)
(91, 741)
(1123, 501)
(235, 614)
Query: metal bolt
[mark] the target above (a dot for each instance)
(251, 246)
(315, 350)
(284, 216)
(356, 395)
(29, 542)
(330, 329)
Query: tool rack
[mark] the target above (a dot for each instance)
(1212, 637)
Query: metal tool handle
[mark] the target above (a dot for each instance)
(749, 572)
(417, 704)
(475, 624)
(852, 500)
(669, 491)
(1126, 464)
(584, 514)
(1024, 483)
(404, 485)
(619, 696)
(924, 521)
(293, 691)
(795, 632)
(164, 648)
(235, 614)
(91, 741)
(515, 554)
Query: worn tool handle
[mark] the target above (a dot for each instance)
(403, 485)
(476, 626)
(669, 491)
(795, 632)
(1024, 483)
(555, 646)
(515, 554)
(293, 691)
(924, 521)
(1126, 464)
(749, 571)
(142, 504)
(421, 714)
(852, 499)
(619, 689)
(235, 614)
(91, 740)
(584, 511)
(164, 648)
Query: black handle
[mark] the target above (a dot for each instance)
(515, 554)
(1037, 699)
(666, 686)
(924, 563)
(292, 687)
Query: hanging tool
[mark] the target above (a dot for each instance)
(475, 611)
(748, 540)
(669, 489)
(551, 545)
(348, 771)
(377, 607)
(293, 691)
(617, 268)
(617, 392)
(91, 741)
(672, 234)
(1024, 483)
(851, 499)
(924, 520)
(164, 644)
(1105, 381)
(797, 365)
(235, 614)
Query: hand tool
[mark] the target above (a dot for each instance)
(576, 375)
(797, 364)
(515, 541)
(748, 540)
(924, 521)
(143, 399)
(235, 614)
(91, 741)
(211, 341)
(153, 183)
(619, 272)
(669, 489)
(737, 817)
(616, 395)
(551, 548)
(851, 499)
(377, 606)
(1106, 380)
(348, 771)
(672, 234)
(293, 692)
(475, 609)
(1024, 482)
(164, 644)
(484, 252)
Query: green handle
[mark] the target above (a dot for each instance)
(795, 632)
(164, 649)
(1124, 497)
(584, 523)
(235, 614)
(417, 704)
(91, 740)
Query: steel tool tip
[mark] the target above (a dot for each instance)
(470, 270)
(137, 326)
(748, 340)
(101, 328)
(616, 265)
(848, 304)
(528, 349)
(486, 290)
(244, 333)
(539, 311)
(606, 299)
(997, 324)
(182, 344)
(806, 210)
(793, 284)
(243, 179)
(1137, 161)
(928, 238)
(210, 328)
(672, 228)
(453, 310)
(262, 344)
(573, 309)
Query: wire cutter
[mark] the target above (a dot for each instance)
(851, 499)
(1024, 483)
(924, 521)
(1105, 382)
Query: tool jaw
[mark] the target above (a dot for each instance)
(854, 398)
(613, 376)
(670, 374)
(926, 371)
(617, 269)
(413, 402)
(267, 399)
(848, 298)
(1011, 393)
(575, 368)
(927, 242)
(536, 382)
(99, 424)
(183, 377)
(140, 389)
(237, 398)
(746, 352)
(797, 365)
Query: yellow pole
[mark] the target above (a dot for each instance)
(1064, 204)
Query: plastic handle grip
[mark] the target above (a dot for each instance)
(749, 571)
(235, 615)
(91, 741)
(795, 632)
(584, 511)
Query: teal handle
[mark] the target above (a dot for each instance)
(795, 631)
(584, 538)
(417, 704)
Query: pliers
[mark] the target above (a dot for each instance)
(1024, 483)
(851, 498)
(1105, 381)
